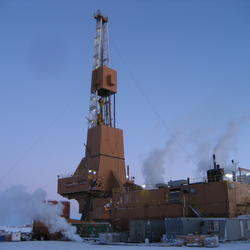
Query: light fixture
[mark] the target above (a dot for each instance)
(229, 176)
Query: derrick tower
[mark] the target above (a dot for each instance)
(103, 167)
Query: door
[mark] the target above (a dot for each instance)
(242, 229)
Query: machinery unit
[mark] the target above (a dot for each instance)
(215, 174)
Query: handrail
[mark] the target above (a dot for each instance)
(145, 203)
(127, 189)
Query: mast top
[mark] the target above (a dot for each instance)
(99, 16)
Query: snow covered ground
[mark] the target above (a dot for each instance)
(63, 245)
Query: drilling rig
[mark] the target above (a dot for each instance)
(100, 184)
(103, 167)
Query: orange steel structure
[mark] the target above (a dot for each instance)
(205, 199)
(103, 167)
(100, 184)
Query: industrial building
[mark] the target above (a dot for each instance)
(102, 186)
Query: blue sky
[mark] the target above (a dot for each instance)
(183, 69)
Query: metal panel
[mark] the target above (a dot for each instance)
(139, 230)
(182, 226)
(216, 226)
(229, 228)
(104, 79)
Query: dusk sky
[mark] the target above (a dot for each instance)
(183, 73)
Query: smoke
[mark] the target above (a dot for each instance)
(201, 149)
(223, 148)
(19, 207)
(204, 157)
(226, 143)
(153, 167)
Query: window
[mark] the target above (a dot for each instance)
(174, 196)
(213, 226)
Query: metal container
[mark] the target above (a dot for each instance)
(139, 230)
(182, 226)
(2, 238)
(224, 228)
(16, 236)
(227, 228)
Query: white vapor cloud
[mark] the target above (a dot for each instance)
(19, 207)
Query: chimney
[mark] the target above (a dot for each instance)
(214, 161)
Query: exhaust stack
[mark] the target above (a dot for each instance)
(215, 174)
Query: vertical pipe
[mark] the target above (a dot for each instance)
(114, 110)
(214, 161)
(109, 112)
(184, 206)
(101, 42)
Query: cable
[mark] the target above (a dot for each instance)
(36, 141)
(152, 107)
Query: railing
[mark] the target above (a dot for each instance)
(62, 176)
(79, 183)
(244, 179)
(141, 203)
(197, 180)
(71, 184)
(127, 189)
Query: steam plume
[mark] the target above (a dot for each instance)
(19, 207)
(226, 142)
(203, 154)
(153, 167)
(224, 146)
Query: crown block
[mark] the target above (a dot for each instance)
(104, 80)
